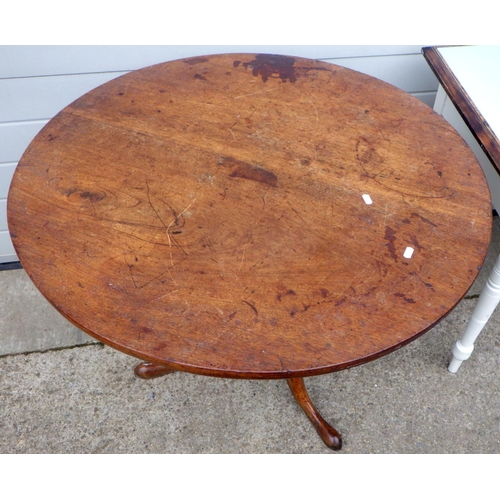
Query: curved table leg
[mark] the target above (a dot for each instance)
(151, 370)
(327, 433)
(486, 304)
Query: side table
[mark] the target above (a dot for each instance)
(468, 99)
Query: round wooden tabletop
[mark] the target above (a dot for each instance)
(252, 216)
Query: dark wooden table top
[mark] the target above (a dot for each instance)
(465, 106)
(250, 216)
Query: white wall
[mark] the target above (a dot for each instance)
(38, 81)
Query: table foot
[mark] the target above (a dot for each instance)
(151, 370)
(327, 433)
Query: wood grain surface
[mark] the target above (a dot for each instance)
(210, 215)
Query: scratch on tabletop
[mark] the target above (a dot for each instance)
(132, 235)
(251, 306)
(314, 106)
(171, 277)
(282, 364)
(164, 295)
(250, 240)
(168, 229)
(157, 277)
(297, 213)
(130, 266)
(152, 206)
(243, 255)
(264, 199)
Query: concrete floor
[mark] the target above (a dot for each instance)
(61, 392)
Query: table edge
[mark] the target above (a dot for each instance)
(472, 117)
(257, 374)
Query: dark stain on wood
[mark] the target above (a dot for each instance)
(390, 236)
(404, 297)
(244, 170)
(93, 197)
(284, 294)
(271, 66)
(415, 243)
(423, 219)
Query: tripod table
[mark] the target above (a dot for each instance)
(250, 216)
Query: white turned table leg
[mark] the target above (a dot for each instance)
(486, 304)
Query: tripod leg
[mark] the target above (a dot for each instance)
(151, 370)
(327, 433)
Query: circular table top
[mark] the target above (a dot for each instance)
(253, 216)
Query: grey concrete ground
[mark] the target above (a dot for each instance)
(61, 392)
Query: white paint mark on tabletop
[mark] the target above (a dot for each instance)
(367, 199)
(408, 252)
